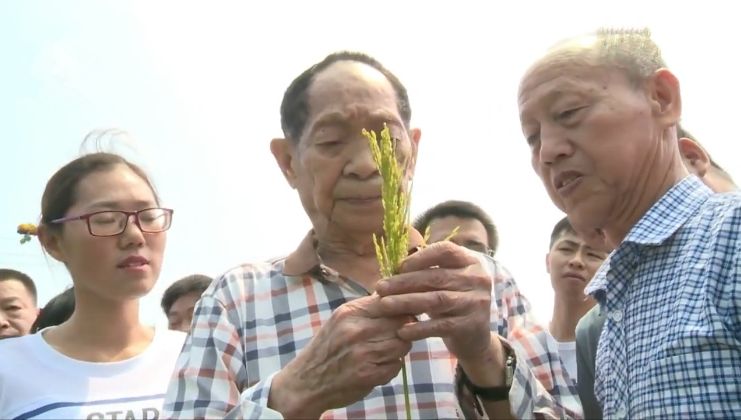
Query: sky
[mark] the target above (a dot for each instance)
(197, 87)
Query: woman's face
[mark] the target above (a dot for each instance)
(120, 267)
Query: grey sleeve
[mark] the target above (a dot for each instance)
(588, 331)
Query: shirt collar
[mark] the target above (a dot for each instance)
(305, 258)
(659, 223)
(668, 214)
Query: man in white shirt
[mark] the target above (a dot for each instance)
(571, 264)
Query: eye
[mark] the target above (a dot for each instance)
(596, 256)
(568, 115)
(327, 144)
(533, 139)
(104, 218)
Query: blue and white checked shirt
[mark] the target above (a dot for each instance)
(671, 345)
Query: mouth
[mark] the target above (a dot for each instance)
(575, 276)
(135, 262)
(566, 182)
(362, 199)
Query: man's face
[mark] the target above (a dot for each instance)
(17, 309)
(572, 264)
(181, 312)
(592, 136)
(471, 232)
(332, 167)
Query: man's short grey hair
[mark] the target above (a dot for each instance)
(631, 50)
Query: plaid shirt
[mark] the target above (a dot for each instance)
(671, 344)
(255, 319)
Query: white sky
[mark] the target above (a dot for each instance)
(198, 85)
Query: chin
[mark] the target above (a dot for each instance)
(133, 289)
(371, 223)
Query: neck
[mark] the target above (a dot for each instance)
(566, 314)
(103, 330)
(353, 255)
(651, 187)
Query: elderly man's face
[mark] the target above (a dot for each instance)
(592, 136)
(331, 166)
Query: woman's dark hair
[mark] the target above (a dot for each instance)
(61, 190)
(56, 311)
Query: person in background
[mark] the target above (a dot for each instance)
(180, 298)
(101, 218)
(18, 308)
(476, 231)
(571, 264)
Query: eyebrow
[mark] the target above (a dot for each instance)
(567, 242)
(118, 204)
(10, 299)
(341, 119)
(564, 88)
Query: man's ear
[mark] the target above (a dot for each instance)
(50, 241)
(548, 263)
(284, 151)
(694, 156)
(665, 97)
(415, 134)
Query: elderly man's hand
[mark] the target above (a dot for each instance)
(355, 350)
(450, 284)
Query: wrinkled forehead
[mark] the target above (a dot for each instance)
(352, 88)
(567, 66)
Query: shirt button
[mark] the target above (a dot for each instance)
(616, 315)
(620, 412)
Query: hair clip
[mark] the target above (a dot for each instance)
(27, 230)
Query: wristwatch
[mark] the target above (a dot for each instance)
(495, 393)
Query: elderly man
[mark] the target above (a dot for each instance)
(317, 334)
(589, 327)
(600, 114)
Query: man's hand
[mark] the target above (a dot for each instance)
(450, 284)
(356, 350)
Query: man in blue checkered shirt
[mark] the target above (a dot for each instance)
(600, 114)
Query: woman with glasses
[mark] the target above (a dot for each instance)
(103, 220)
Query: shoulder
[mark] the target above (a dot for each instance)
(18, 364)
(716, 228)
(16, 349)
(246, 279)
(171, 338)
(590, 325)
(722, 210)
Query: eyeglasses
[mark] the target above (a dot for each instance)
(114, 222)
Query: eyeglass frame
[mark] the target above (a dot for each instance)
(86, 217)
